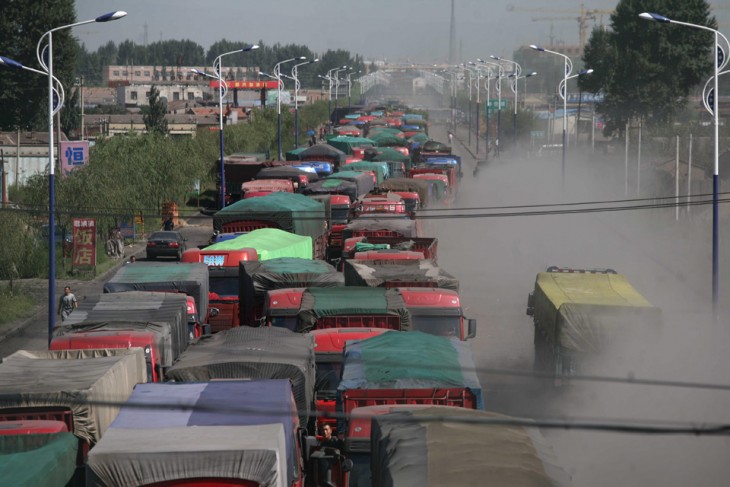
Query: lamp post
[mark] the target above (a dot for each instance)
(516, 72)
(337, 84)
(719, 61)
(295, 76)
(498, 88)
(277, 76)
(217, 65)
(479, 76)
(567, 69)
(47, 65)
(515, 80)
(329, 99)
(349, 89)
(471, 81)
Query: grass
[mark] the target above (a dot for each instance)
(15, 304)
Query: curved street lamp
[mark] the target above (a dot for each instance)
(222, 91)
(515, 80)
(47, 65)
(330, 79)
(567, 69)
(295, 76)
(277, 75)
(720, 59)
(498, 89)
(349, 89)
(516, 72)
(337, 84)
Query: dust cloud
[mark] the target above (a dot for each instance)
(496, 260)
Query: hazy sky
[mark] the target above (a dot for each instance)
(396, 30)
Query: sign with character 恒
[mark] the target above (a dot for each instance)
(74, 154)
(84, 233)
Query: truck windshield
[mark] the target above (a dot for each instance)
(327, 379)
(446, 326)
(340, 214)
(225, 287)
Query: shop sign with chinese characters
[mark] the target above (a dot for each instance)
(84, 231)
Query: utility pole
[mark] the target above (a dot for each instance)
(452, 36)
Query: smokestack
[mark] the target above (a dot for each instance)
(452, 37)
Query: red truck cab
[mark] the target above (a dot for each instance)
(100, 338)
(223, 301)
(438, 311)
(411, 200)
(328, 347)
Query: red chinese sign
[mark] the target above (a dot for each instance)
(248, 85)
(84, 232)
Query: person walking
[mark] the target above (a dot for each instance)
(67, 303)
(119, 241)
(168, 225)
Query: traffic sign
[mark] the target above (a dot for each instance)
(537, 134)
(495, 103)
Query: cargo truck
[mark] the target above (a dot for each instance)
(459, 447)
(191, 279)
(400, 273)
(99, 316)
(578, 312)
(408, 186)
(214, 440)
(329, 344)
(255, 279)
(223, 260)
(428, 246)
(263, 187)
(33, 458)
(431, 310)
(293, 213)
(63, 386)
(238, 169)
(253, 353)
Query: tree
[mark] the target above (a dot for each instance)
(154, 114)
(645, 70)
(24, 95)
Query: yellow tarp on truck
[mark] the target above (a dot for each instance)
(575, 310)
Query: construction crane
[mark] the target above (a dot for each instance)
(584, 15)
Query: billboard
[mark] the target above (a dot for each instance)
(74, 154)
(84, 233)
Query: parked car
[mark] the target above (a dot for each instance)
(166, 244)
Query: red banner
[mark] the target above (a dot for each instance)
(84, 231)
(248, 85)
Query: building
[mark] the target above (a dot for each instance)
(137, 95)
(130, 74)
(25, 154)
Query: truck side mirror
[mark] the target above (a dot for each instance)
(531, 304)
(347, 465)
(471, 328)
(213, 312)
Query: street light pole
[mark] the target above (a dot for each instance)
(277, 76)
(567, 69)
(337, 85)
(222, 91)
(297, 85)
(47, 66)
(498, 88)
(516, 72)
(719, 61)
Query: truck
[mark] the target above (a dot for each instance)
(218, 443)
(223, 260)
(428, 246)
(293, 213)
(253, 353)
(389, 204)
(190, 279)
(578, 312)
(255, 279)
(329, 344)
(363, 182)
(380, 227)
(299, 177)
(99, 315)
(431, 310)
(407, 187)
(31, 457)
(323, 152)
(238, 168)
(401, 273)
(398, 369)
(451, 450)
(65, 386)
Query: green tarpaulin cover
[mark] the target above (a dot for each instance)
(346, 144)
(270, 243)
(409, 360)
(390, 154)
(419, 137)
(292, 212)
(578, 310)
(293, 155)
(389, 140)
(379, 168)
(46, 460)
(348, 301)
